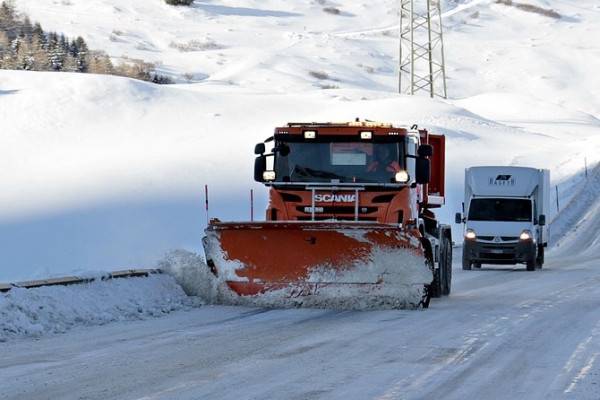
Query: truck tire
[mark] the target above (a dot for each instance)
(531, 264)
(446, 266)
(540, 257)
(466, 263)
(436, 286)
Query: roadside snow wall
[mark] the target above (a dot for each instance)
(56, 309)
(575, 229)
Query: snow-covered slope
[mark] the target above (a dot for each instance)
(103, 172)
(576, 230)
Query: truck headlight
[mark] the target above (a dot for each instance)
(470, 234)
(526, 235)
(366, 135)
(310, 134)
(269, 175)
(402, 177)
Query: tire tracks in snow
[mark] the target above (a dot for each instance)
(498, 338)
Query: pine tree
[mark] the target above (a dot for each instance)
(26, 30)
(39, 53)
(70, 64)
(8, 19)
(56, 55)
(5, 51)
(24, 56)
(81, 54)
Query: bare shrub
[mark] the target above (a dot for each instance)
(546, 12)
(326, 87)
(142, 70)
(179, 2)
(196, 45)
(319, 75)
(332, 10)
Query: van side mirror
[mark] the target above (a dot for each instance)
(542, 220)
(259, 149)
(425, 150)
(423, 173)
(260, 165)
(458, 218)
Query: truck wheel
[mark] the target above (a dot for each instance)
(436, 287)
(466, 263)
(446, 258)
(540, 257)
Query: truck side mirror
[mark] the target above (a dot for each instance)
(542, 220)
(423, 173)
(260, 165)
(458, 218)
(425, 150)
(259, 149)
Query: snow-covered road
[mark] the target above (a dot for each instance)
(504, 333)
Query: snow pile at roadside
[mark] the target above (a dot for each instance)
(56, 309)
(575, 229)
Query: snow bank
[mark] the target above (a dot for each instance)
(56, 309)
(574, 232)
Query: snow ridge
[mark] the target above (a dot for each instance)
(57, 309)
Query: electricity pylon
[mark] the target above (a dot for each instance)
(422, 65)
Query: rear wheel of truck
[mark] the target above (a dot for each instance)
(436, 286)
(446, 266)
(466, 263)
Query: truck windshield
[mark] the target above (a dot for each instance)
(345, 162)
(515, 210)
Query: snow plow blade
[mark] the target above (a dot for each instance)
(339, 265)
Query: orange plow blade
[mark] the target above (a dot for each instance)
(341, 265)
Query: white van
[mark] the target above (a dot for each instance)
(505, 216)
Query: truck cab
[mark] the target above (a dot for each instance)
(504, 216)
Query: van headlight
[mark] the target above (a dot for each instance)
(526, 235)
(470, 234)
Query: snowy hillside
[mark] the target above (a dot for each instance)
(102, 172)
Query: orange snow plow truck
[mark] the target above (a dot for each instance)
(349, 223)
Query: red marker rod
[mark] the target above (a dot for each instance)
(251, 205)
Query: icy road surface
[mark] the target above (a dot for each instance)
(504, 333)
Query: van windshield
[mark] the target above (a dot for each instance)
(515, 210)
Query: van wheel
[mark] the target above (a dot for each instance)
(531, 265)
(540, 257)
(466, 263)
(477, 265)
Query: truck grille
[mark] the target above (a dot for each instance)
(338, 210)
